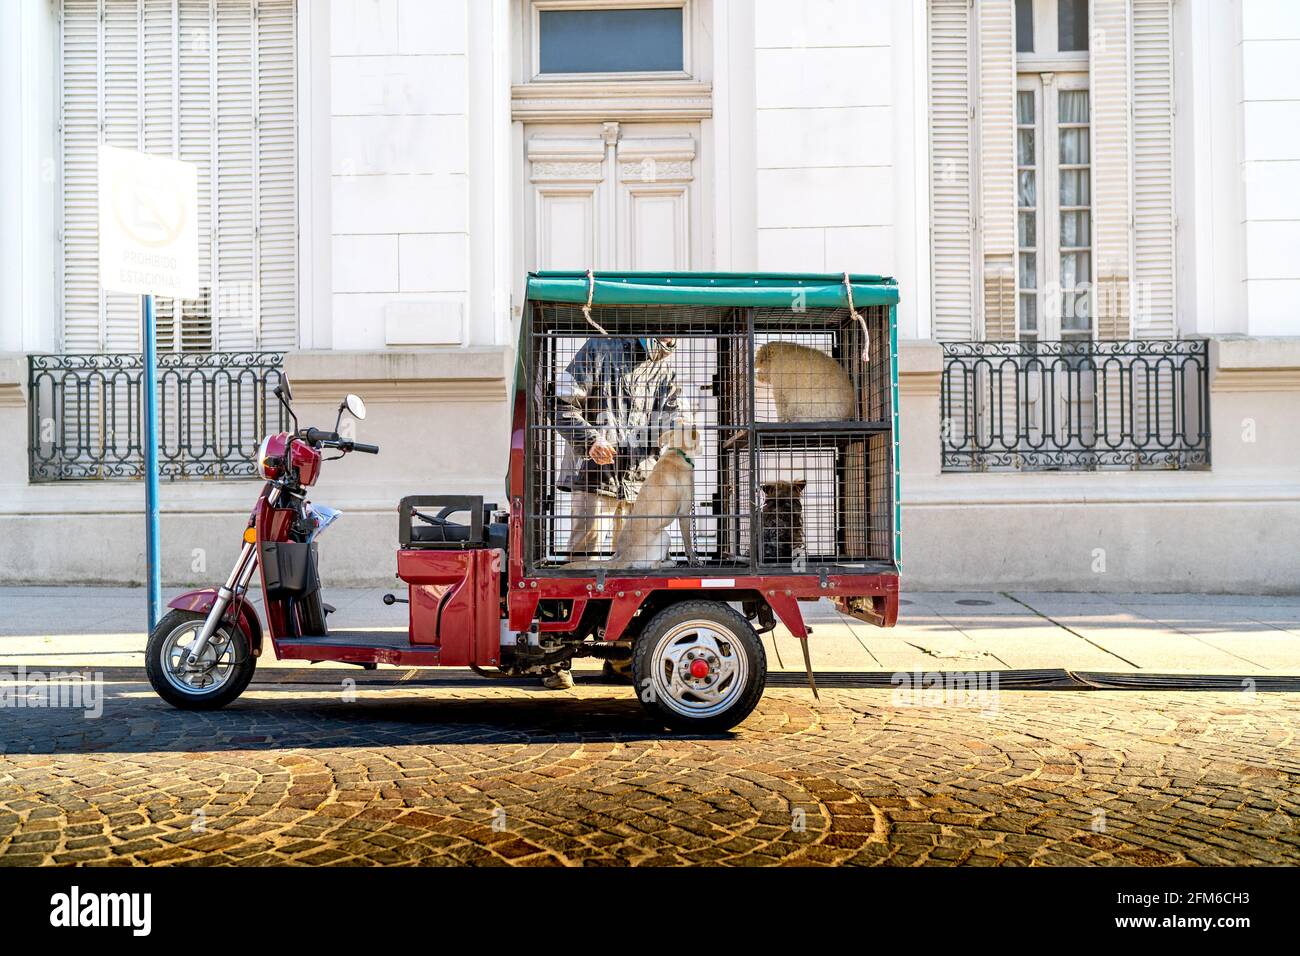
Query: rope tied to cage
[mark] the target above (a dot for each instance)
(586, 309)
(866, 335)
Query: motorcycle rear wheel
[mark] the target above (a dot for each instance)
(699, 667)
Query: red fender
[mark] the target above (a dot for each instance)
(202, 601)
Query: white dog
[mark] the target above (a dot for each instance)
(668, 495)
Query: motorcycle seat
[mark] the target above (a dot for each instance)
(444, 532)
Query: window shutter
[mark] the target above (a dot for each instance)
(194, 82)
(997, 125)
(1153, 169)
(79, 125)
(122, 127)
(1109, 79)
(212, 82)
(159, 51)
(277, 175)
(951, 219)
(233, 168)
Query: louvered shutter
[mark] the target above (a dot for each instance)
(194, 92)
(277, 176)
(120, 116)
(952, 254)
(159, 51)
(997, 125)
(211, 82)
(1153, 169)
(234, 171)
(79, 125)
(1109, 79)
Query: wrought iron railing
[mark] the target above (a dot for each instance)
(1075, 406)
(86, 419)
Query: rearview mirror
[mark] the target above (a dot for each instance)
(284, 384)
(355, 406)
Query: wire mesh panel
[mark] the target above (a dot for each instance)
(816, 365)
(651, 440)
(824, 498)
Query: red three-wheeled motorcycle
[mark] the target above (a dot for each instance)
(692, 456)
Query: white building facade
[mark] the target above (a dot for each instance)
(1092, 208)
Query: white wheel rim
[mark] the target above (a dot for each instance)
(215, 665)
(689, 689)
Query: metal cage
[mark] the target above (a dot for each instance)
(767, 495)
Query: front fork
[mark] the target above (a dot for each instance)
(237, 583)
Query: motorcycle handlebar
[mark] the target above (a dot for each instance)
(317, 436)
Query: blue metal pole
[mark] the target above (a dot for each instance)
(153, 563)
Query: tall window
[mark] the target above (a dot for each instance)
(213, 83)
(1074, 215)
(1054, 274)
(1054, 208)
(1028, 276)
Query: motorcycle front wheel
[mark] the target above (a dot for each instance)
(220, 675)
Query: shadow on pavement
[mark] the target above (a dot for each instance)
(148, 725)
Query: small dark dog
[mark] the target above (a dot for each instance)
(782, 521)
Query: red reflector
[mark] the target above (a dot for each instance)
(683, 582)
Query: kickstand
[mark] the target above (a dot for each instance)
(807, 664)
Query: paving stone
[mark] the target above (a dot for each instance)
(518, 777)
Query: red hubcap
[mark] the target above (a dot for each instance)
(699, 669)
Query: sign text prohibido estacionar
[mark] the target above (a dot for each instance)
(148, 224)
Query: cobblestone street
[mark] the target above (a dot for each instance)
(492, 775)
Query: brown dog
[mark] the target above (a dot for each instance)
(782, 520)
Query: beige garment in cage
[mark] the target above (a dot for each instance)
(596, 521)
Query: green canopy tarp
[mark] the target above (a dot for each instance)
(742, 289)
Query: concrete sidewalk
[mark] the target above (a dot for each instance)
(1125, 633)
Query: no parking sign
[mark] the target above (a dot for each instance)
(148, 224)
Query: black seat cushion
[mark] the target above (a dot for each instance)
(454, 533)
(444, 532)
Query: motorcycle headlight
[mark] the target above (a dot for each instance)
(267, 465)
